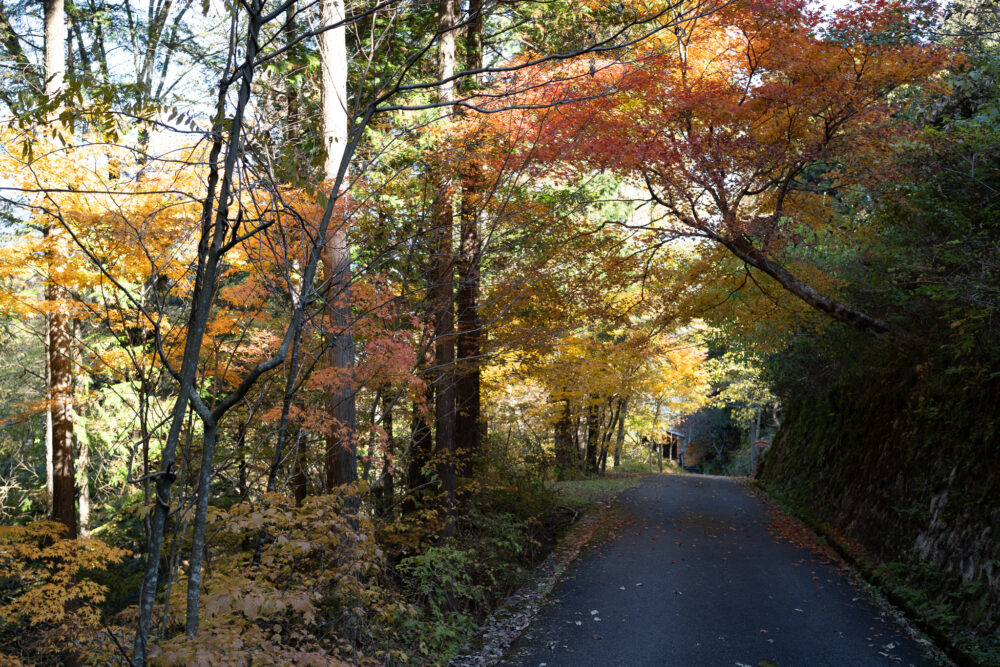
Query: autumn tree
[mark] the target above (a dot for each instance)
(744, 126)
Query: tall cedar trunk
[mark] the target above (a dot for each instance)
(593, 435)
(620, 440)
(442, 284)
(565, 449)
(341, 447)
(60, 335)
(468, 409)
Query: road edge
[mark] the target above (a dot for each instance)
(506, 624)
(940, 647)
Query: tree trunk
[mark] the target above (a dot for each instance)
(388, 463)
(606, 436)
(300, 478)
(838, 311)
(620, 441)
(580, 447)
(443, 269)
(593, 435)
(49, 472)
(294, 170)
(82, 442)
(565, 450)
(209, 440)
(468, 410)
(60, 335)
(341, 447)
(421, 442)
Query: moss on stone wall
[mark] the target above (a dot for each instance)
(906, 463)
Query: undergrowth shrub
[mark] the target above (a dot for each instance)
(50, 602)
(318, 594)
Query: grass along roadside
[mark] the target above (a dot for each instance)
(579, 494)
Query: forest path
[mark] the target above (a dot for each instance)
(695, 577)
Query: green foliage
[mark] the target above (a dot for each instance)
(440, 581)
(942, 600)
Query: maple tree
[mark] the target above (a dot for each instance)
(744, 126)
(335, 327)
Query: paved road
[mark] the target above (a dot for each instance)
(695, 578)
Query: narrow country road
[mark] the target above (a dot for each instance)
(694, 577)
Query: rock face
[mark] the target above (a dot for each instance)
(908, 465)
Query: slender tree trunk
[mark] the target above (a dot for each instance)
(210, 439)
(468, 409)
(209, 252)
(581, 447)
(82, 442)
(341, 450)
(388, 463)
(620, 441)
(49, 473)
(606, 435)
(300, 476)
(60, 335)
(593, 434)
(300, 462)
(421, 443)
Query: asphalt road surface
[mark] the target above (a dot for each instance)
(694, 577)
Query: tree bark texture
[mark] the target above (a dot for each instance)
(341, 447)
(620, 440)
(421, 443)
(60, 334)
(443, 284)
(469, 431)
